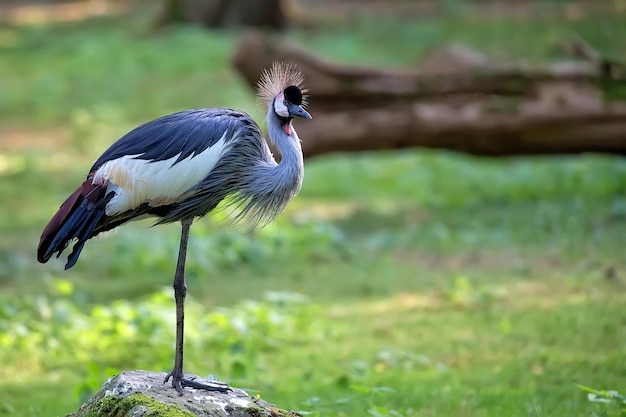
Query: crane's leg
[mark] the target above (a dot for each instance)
(180, 292)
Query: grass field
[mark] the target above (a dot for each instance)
(412, 283)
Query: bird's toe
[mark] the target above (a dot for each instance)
(205, 385)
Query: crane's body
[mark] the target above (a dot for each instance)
(180, 167)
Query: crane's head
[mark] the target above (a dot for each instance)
(289, 103)
(281, 88)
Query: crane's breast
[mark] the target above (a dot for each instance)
(136, 180)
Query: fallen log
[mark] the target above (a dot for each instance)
(486, 109)
(380, 129)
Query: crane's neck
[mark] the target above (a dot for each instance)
(290, 169)
(270, 186)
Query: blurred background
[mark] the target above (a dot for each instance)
(419, 274)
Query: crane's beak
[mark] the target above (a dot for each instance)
(298, 111)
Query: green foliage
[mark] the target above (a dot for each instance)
(611, 403)
(91, 68)
(55, 328)
(401, 41)
(362, 398)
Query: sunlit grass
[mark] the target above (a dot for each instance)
(114, 70)
(427, 346)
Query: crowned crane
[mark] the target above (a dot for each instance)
(180, 167)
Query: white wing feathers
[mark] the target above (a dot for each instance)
(139, 181)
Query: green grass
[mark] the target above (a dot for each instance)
(408, 283)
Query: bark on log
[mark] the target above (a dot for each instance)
(380, 129)
(494, 110)
(141, 393)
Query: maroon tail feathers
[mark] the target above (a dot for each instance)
(76, 219)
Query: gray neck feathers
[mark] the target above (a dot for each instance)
(291, 166)
(272, 185)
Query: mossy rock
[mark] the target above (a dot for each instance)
(143, 394)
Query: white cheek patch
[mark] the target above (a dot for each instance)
(279, 106)
(139, 181)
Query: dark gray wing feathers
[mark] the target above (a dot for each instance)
(229, 176)
(186, 133)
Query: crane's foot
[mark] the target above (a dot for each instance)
(179, 382)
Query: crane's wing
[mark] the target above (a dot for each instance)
(180, 135)
(144, 171)
(159, 161)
